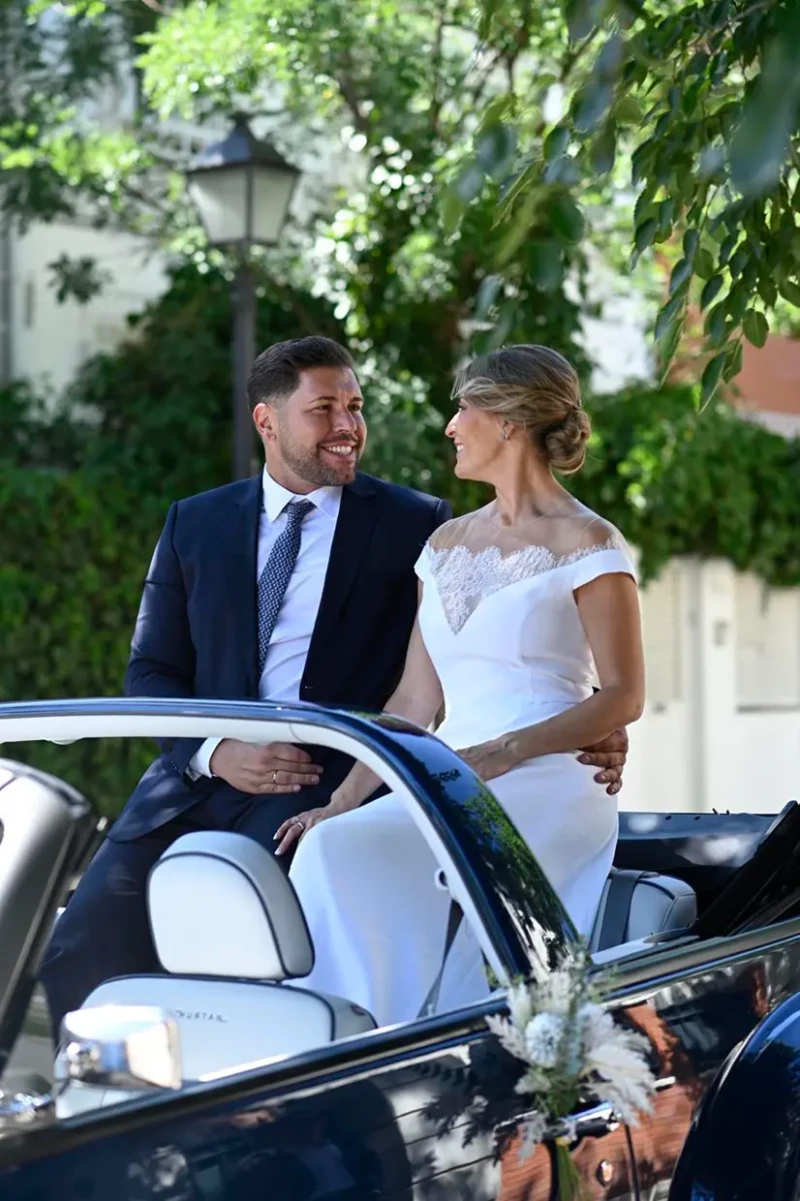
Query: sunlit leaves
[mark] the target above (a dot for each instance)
(761, 144)
(488, 293)
(79, 279)
(711, 290)
(59, 155)
(756, 327)
(546, 265)
(469, 181)
(556, 143)
(629, 111)
(703, 264)
(495, 149)
(603, 150)
(566, 219)
(733, 360)
(706, 101)
(644, 234)
(711, 377)
(790, 290)
(681, 274)
(713, 485)
(667, 316)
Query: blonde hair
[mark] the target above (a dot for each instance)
(536, 389)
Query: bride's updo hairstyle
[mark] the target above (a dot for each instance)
(537, 390)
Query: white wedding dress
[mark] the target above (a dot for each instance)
(501, 625)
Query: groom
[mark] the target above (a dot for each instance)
(296, 584)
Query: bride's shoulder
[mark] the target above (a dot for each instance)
(588, 532)
(595, 547)
(457, 531)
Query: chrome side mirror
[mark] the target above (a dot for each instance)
(127, 1047)
(23, 1111)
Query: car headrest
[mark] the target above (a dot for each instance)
(220, 905)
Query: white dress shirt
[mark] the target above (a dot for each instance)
(288, 647)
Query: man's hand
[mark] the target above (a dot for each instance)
(276, 768)
(609, 755)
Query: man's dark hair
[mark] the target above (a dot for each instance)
(276, 371)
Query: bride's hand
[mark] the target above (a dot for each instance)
(488, 759)
(294, 828)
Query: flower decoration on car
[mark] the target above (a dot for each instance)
(572, 1053)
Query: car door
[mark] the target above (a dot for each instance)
(418, 1110)
(697, 1004)
(44, 825)
(426, 1110)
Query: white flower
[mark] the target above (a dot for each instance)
(555, 994)
(520, 1004)
(543, 1034)
(533, 1131)
(508, 1036)
(597, 1026)
(565, 1038)
(534, 1083)
(627, 1082)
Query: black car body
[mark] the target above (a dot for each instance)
(427, 1109)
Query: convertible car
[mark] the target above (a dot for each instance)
(224, 1079)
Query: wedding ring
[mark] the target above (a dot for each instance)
(299, 823)
(275, 777)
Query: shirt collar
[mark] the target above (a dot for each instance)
(276, 498)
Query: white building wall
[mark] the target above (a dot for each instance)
(722, 725)
(51, 340)
(785, 424)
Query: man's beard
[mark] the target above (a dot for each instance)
(312, 467)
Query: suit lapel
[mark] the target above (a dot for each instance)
(239, 581)
(357, 516)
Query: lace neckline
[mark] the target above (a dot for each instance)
(464, 577)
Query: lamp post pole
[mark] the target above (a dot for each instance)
(244, 342)
(242, 188)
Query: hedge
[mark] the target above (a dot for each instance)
(72, 557)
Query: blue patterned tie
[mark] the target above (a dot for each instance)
(276, 575)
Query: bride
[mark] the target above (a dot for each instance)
(519, 602)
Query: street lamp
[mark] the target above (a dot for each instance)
(242, 188)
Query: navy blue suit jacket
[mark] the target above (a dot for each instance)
(195, 634)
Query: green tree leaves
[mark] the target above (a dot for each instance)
(705, 99)
(762, 142)
(566, 219)
(710, 485)
(498, 146)
(756, 327)
(495, 149)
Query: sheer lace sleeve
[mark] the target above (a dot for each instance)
(604, 552)
(423, 564)
(469, 558)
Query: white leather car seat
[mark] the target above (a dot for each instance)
(636, 905)
(229, 930)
